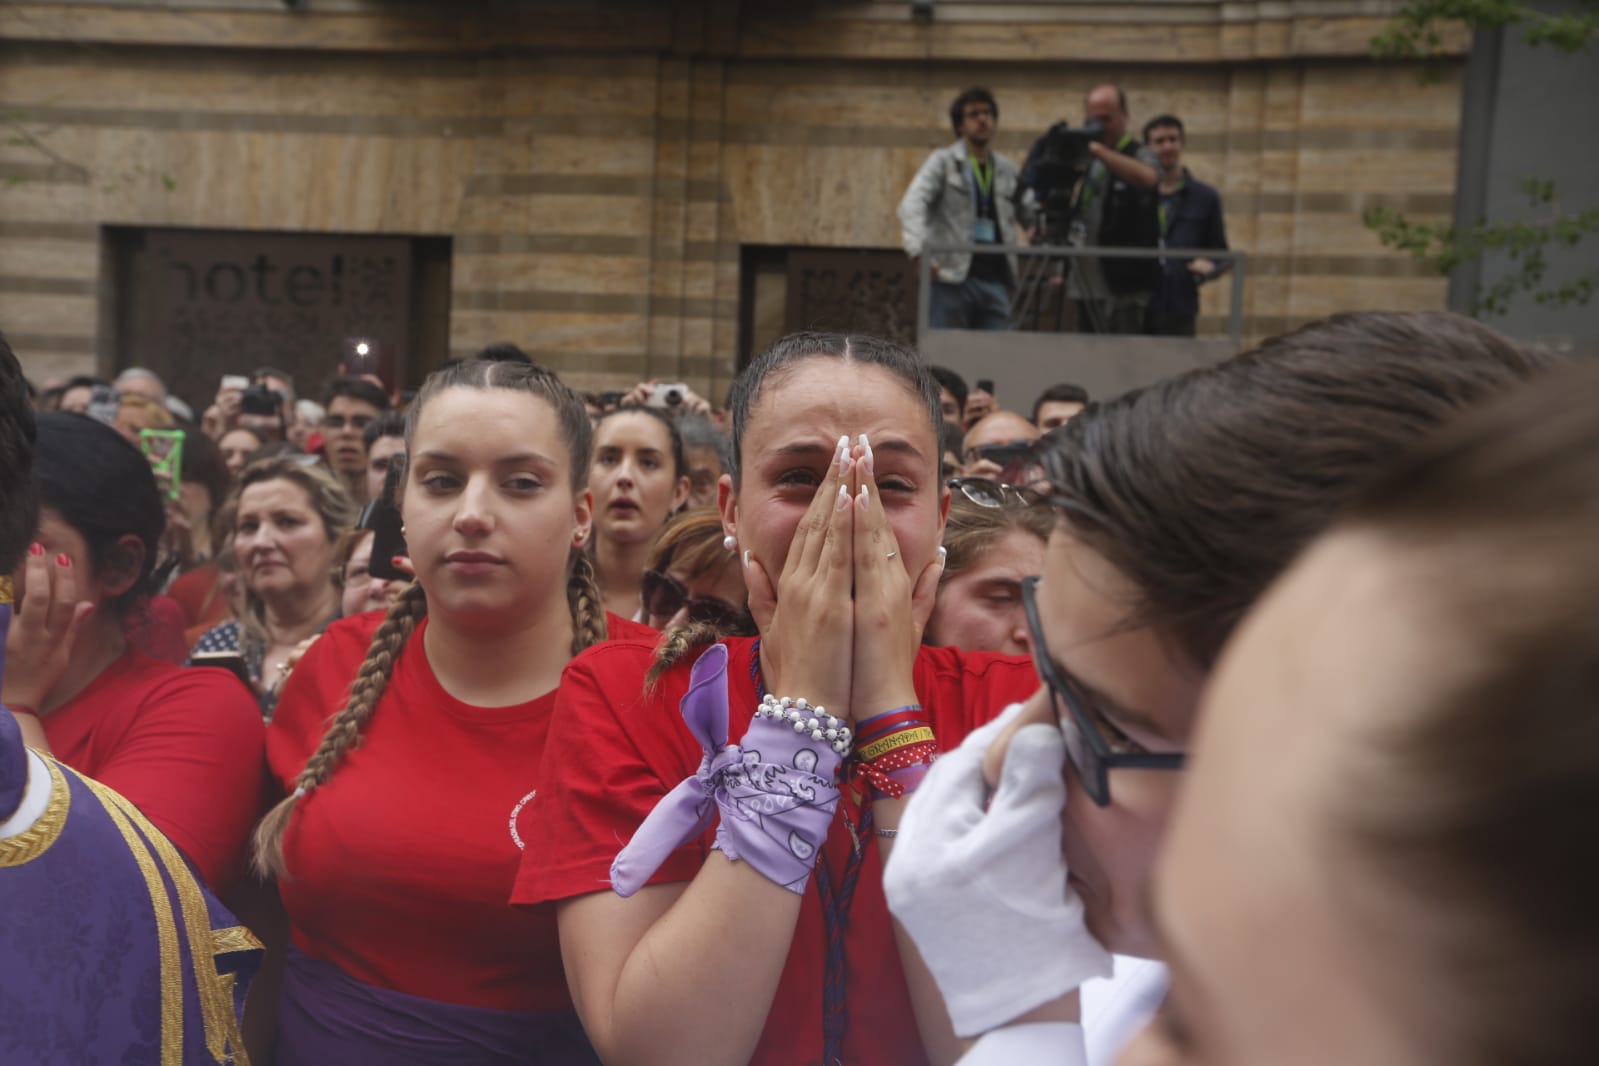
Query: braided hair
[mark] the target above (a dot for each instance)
(410, 607)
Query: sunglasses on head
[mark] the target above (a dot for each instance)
(665, 595)
(986, 492)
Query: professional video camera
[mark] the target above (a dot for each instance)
(1055, 164)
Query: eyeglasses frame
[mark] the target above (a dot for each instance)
(1094, 777)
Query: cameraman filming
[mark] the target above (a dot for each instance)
(1116, 207)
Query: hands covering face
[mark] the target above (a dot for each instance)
(842, 622)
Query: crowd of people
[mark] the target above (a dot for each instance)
(1095, 187)
(1241, 718)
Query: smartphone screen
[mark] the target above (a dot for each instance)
(231, 661)
(383, 519)
(164, 449)
(360, 357)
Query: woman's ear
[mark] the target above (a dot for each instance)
(582, 519)
(680, 495)
(121, 567)
(727, 505)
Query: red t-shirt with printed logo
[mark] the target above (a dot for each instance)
(401, 864)
(182, 745)
(618, 752)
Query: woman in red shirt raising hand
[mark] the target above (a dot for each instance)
(408, 745)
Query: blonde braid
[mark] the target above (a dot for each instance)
(676, 643)
(344, 731)
(588, 606)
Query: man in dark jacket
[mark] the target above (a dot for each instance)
(1190, 217)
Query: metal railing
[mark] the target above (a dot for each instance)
(1235, 310)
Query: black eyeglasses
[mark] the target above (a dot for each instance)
(664, 596)
(356, 422)
(986, 492)
(1086, 746)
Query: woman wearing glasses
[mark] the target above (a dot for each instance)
(694, 580)
(1416, 846)
(1165, 540)
(994, 538)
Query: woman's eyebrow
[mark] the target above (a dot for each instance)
(805, 448)
(433, 455)
(896, 444)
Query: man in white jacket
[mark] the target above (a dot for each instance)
(965, 193)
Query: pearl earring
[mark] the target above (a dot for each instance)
(730, 542)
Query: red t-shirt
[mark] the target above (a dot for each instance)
(199, 593)
(156, 628)
(401, 863)
(617, 753)
(183, 745)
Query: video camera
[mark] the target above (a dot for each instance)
(1055, 164)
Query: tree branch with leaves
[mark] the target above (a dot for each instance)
(1417, 32)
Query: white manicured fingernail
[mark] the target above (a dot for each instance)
(942, 556)
(747, 558)
(866, 447)
(866, 497)
(843, 496)
(841, 456)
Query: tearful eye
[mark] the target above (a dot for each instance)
(1115, 737)
(799, 477)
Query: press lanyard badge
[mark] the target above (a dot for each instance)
(983, 229)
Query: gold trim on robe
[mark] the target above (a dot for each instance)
(36, 840)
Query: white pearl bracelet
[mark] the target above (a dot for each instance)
(807, 719)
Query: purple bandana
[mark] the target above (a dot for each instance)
(774, 790)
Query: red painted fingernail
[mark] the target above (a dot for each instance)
(63, 560)
(36, 549)
(397, 561)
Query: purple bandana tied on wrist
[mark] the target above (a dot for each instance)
(774, 790)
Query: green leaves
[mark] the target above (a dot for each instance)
(1415, 34)
(1443, 246)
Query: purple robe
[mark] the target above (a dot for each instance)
(111, 950)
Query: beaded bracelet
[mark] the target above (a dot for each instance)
(805, 718)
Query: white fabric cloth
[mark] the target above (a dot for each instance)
(1114, 1009)
(979, 882)
(35, 798)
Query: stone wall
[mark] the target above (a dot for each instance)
(598, 173)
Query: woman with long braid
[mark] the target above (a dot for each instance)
(400, 836)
